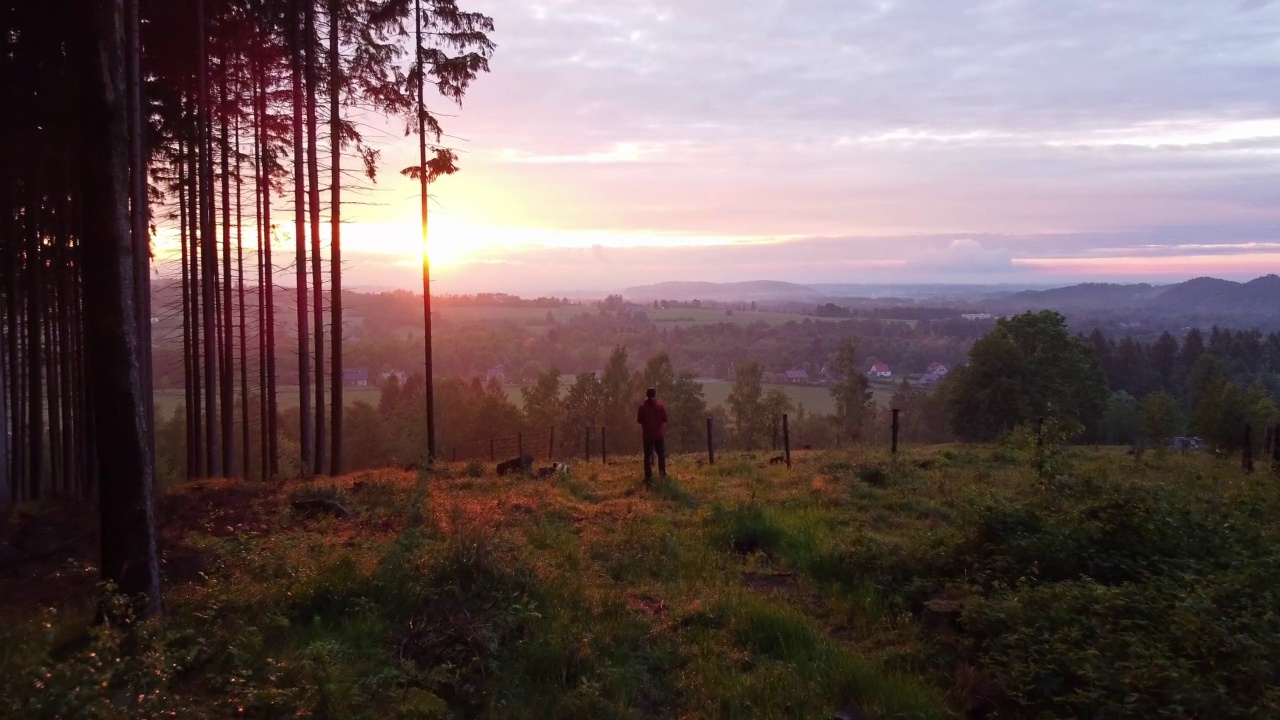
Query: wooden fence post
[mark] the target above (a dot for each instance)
(604, 447)
(894, 447)
(455, 453)
(551, 446)
(492, 455)
(1246, 455)
(1039, 460)
(1275, 449)
(711, 446)
(786, 441)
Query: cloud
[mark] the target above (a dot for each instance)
(1248, 6)
(1031, 130)
(964, 258)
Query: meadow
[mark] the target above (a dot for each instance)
(816, 399)
(668, 317)
(944, 582)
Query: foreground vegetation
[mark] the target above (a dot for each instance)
(946, 582)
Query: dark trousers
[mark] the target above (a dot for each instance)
(650, 447)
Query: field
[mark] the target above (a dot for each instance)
(951, 583)
(682, 317)
(518, 315)
(815, 399)
(673, 317)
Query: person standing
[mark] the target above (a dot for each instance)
(653, 424)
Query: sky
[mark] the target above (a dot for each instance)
(915, 141)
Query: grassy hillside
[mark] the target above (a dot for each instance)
(948, 583)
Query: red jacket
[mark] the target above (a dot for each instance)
(653, 419)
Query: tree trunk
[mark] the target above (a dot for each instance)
(52, 376)
(188, 314)
(62, 282)
(300, 240)
(138, 212)
(12, 311)
(35, 358)
(269, 303)
(119, 398)
(208, 252)
(258, 191)
(313, 194)
(195, 318)
(426, 261)
(335, 231)
(6, 489)
(6, 241)
(228, 380)
(244, 332)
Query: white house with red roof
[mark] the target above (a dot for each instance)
(880, 370)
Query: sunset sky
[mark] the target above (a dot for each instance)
(1019, 141)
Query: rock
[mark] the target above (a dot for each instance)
(941, 614)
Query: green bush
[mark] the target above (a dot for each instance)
(1171, 648)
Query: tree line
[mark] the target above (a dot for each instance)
(1029, 366)
(557, 412)
(1116, 391)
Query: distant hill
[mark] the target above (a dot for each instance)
(722, 292)
(1086, 296)
(1211, 295)
(1200, 297)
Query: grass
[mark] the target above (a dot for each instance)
(738, 590)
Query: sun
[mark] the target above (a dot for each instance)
(403, 241)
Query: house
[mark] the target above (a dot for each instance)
(880, 370)
(796, 376)
(356, 377)
(977, 316)
(933, 375)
